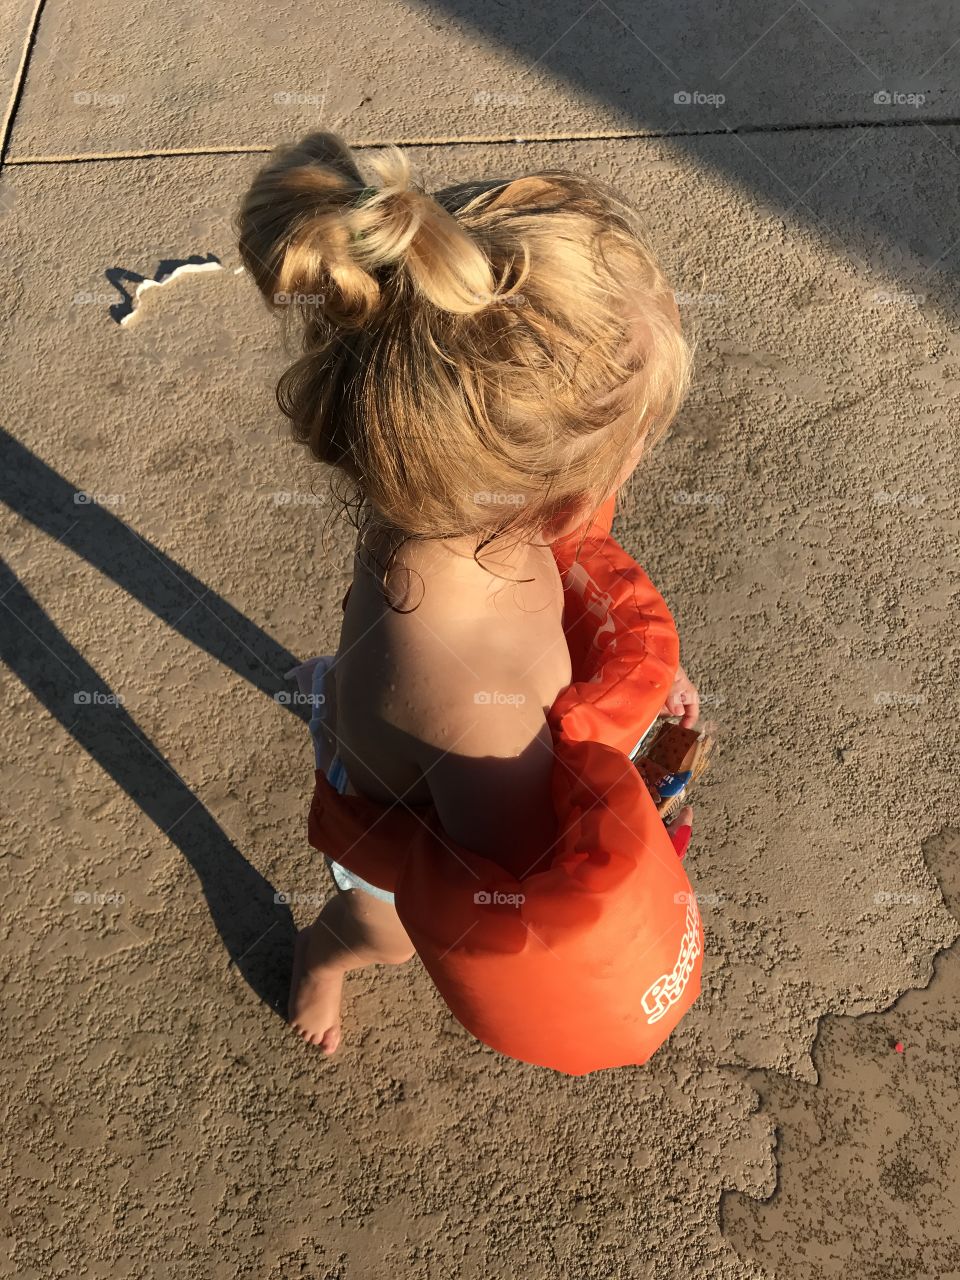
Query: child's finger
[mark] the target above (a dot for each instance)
(691, 708)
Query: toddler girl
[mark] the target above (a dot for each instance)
(481, 368)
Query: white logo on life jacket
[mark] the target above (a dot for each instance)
(597, 603)
(668, 988)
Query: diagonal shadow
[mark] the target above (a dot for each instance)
(42, 496)
(240, 900)
(803, 83)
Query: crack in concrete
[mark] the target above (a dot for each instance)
(482, 140)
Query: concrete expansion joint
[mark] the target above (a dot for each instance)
(454, 140)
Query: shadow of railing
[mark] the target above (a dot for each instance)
(38, 493)
(240, 900)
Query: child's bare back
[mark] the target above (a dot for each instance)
(442, 692)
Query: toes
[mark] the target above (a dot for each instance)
(326, 1041)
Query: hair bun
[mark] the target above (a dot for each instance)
(314, 235)
(445, 415)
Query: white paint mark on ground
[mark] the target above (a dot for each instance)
(185, 268)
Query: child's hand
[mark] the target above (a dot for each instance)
(682, 700)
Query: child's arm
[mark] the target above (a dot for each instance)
(489, 766)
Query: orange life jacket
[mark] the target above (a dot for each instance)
(591, 961)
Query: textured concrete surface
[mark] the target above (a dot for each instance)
(801, 521)
(241, 73)
(868, 1160)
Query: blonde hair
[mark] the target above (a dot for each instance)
(460, 353)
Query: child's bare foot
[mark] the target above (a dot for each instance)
(353, 929)
(316, 987)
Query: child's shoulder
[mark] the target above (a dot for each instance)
(473, 677)
(461, 662)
